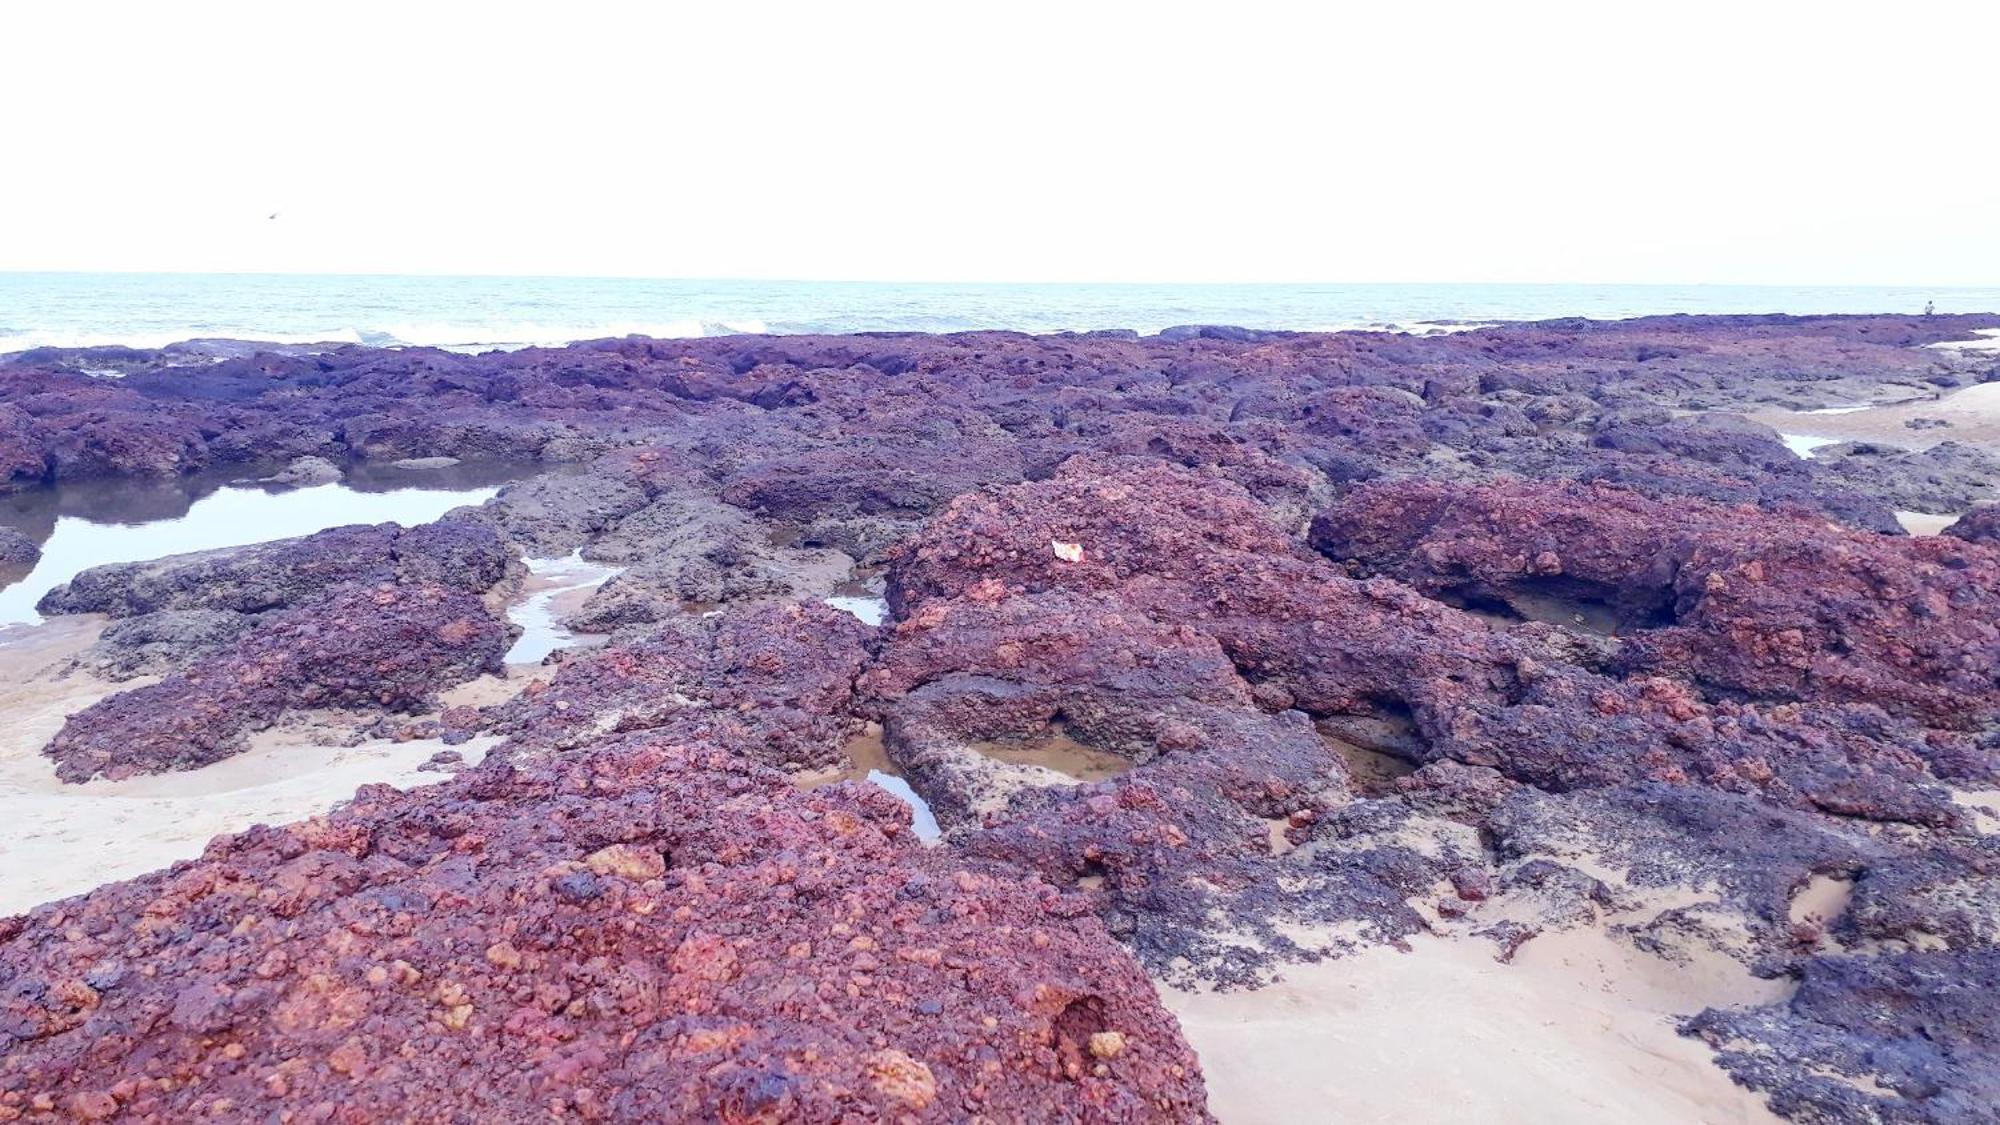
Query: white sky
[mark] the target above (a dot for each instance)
(1748, 141)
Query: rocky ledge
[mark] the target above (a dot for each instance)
(1212, 653)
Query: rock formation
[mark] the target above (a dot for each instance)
(1223, 649)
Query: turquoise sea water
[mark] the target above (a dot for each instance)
(73, 309)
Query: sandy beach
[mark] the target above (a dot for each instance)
(62, 839)
(1400, 716)
(1970, 415)
(1578, 1030)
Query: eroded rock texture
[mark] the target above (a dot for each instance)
(1744, 603)
(855, 439)
(1904, 1038)
(1948, 477)
(1980, 525)
(1224, 648)
(460, 553)
(776, 682)
(640, 932)
(377, 647)
(17, 551)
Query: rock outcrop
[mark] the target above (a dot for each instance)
(1980, 525)
(1744, 603)
(18, 553)
(380, 647)
(579, 939)
(460, 553)
(1222, 649)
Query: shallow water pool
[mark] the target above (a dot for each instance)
(869, 610)
(1806, 445)
(234, 516)
(552, 581)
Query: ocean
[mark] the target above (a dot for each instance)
(478, 313)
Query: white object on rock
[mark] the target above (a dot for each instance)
(1067, 552)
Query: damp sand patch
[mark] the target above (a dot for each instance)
(1579, 1029)
(62, 839)
(1970, 415)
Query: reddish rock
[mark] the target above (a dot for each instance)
(1102, 555)
(1421, 679)
(577, 938)
(1744, 603)
(775, 680)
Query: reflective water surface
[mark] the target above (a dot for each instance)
(86, 525)
(555, 587)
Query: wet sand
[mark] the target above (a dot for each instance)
(1578, 1029)
(62, 840)
(1971, 415)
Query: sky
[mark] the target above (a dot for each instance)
(1750, 142)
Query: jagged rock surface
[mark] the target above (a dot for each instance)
(380, 647)
(1716, 708)
(1980, 525)
(580, 939)
(460, 553)
(1748, 604)
(17, 551)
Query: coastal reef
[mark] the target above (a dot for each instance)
(1211, 654)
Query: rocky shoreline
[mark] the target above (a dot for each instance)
(1221, 657)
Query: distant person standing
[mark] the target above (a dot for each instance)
(1930, 307)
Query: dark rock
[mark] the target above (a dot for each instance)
(18, 553)
(1980, 525)
(370, 646)
(160, 643)
(461, 553)
(1948, 477)
(1906, 1038)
